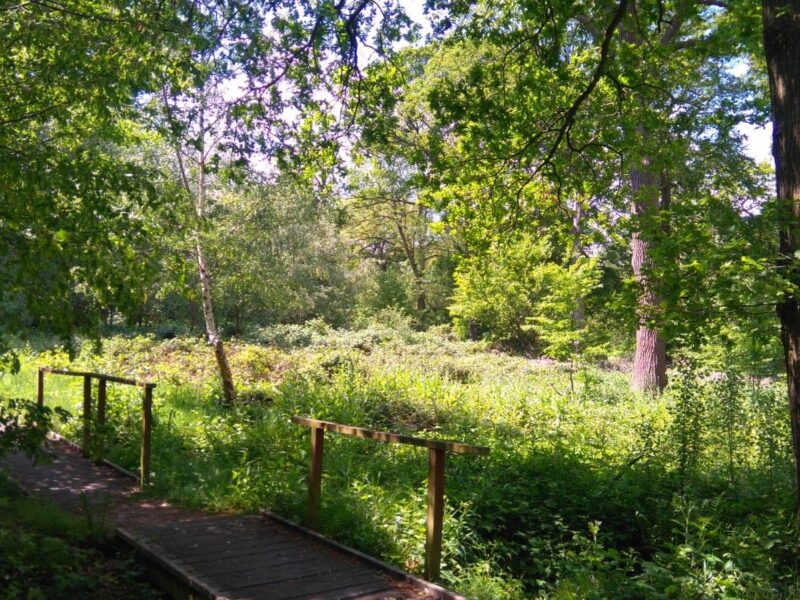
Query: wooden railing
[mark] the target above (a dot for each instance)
(102, 381)
(436, 457)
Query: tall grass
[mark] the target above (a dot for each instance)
(591, 492)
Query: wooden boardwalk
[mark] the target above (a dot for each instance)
(216, 556)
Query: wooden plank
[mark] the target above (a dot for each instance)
(40, 388)
(216, 524)
(211, 521)
(189, 547)
(147, 417)
(182, 573)
(187, 543)
(392, 438)
(433, 532)
(243, 552)
(391, 593)
(300, 587)
(101, 420)
(315, 476)
(426, 588)
(308, 567)
(259, 558)
(376, 591)
(87, 415)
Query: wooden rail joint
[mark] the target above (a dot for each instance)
(100, 418)
(436, 458)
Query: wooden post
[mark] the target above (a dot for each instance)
(147, 416)
(40, 388)
(433, 533)
(100, 420)
(315, 476)
(87, 415)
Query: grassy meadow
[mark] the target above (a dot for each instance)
(589, 491)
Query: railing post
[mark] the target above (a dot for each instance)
(87, 415)
(315, 476)
(147, 416)
(433, 533)
(100, 420)
(40, 388)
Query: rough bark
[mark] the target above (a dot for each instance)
(782, 49)
(421, 301)
(650, 356)
(650, 359)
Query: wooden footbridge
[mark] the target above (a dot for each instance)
(201, 555)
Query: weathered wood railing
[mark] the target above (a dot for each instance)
(436, 457)
(102, 381)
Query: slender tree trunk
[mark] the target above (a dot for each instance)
(228, 389)
(579, 314)
(199, 200)
(782, 50)
(212, 333)
(650, 359)
(416, 260)
(421, 300)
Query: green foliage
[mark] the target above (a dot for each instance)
(278, 257)
(71, 200)
(498, 291)
(48, 553)
(24, 426)
(518, 291)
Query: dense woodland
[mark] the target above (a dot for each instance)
(530, 225)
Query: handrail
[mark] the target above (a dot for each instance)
(102, 379)
(392, 438)
(98, 376)
(436, 457)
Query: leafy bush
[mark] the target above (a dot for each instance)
(24, 426)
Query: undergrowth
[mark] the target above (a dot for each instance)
(48, 553)
(589, 491)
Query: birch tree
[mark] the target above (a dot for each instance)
(243, 89)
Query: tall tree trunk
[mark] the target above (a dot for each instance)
(782, 50)
(650, 359)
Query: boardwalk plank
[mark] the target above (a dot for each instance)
(188, 546)
(320, 586)
(246, 555)
(265, 558)
(309, 568)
